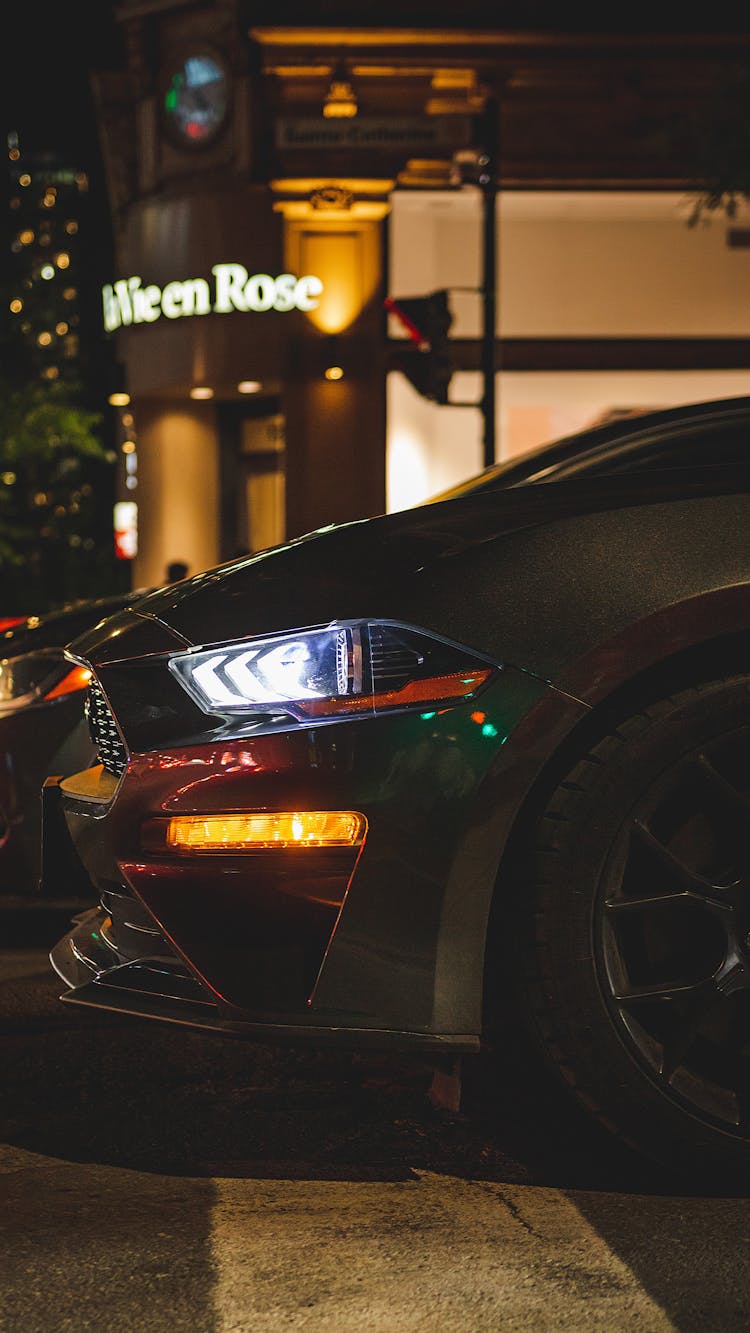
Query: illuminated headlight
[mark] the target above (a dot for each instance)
(343, 669)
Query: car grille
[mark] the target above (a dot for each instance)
(108, 742)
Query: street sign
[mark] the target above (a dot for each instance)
(380, 134)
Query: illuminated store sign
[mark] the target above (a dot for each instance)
(128, 302)
(126, 529)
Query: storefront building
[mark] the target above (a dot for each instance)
(272, 186)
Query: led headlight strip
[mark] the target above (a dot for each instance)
(342, 669)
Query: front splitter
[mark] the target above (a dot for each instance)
(164, 989)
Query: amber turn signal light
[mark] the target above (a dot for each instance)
(255, 832)
(78, 678)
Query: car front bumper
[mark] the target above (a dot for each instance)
(160, 985)
(380, 945)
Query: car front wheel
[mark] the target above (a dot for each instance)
(632, 929)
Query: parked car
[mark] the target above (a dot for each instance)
(42, 726)
(485, 761)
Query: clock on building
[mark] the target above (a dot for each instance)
(196, 99)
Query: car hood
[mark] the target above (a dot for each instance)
(413, 566)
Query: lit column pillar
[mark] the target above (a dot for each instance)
(335, 421)
(178, 488)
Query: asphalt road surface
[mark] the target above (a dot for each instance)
(157, 1179)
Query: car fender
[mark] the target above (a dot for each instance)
(699, 636)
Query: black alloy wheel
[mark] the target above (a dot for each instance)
(635, 930)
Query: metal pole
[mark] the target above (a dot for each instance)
(488, 185)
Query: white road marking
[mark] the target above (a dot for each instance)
(435, 1253)
(18, 1159)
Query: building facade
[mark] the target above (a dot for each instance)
(272, 184)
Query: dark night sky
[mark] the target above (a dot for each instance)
(54, 44)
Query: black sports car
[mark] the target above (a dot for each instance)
(369, 785)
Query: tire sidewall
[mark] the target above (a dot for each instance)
(565, 980)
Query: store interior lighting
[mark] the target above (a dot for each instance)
(340, 100)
